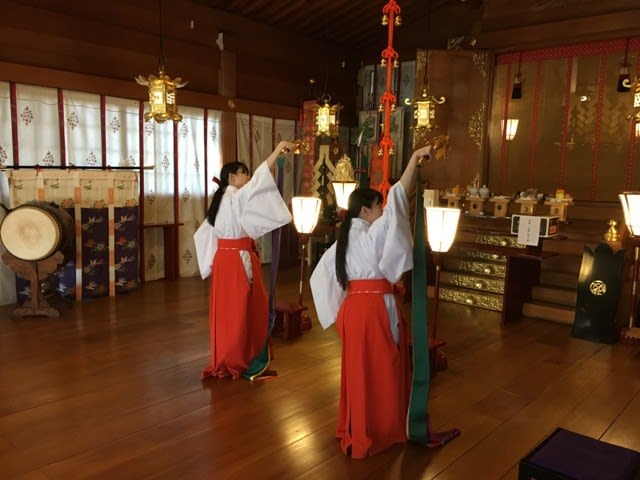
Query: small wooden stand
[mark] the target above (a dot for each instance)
(500, 206)
(288, 319)
(453, 201)
(527, 205)
(437, 358)
(558, 208)
(35, 271)
(475, 205)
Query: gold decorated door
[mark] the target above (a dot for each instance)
(463, 78)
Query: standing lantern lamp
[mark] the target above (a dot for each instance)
(306, 211)
(343, 189)
(631, 209)
(289, 317)
(343, 182)
(442, 225)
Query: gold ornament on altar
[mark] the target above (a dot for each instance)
(343, 182)
(612, 235)
(598, 288)
(343, 169)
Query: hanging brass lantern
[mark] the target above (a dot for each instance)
(162, 96)
(327, 118)
(162, 89)
(424, 111)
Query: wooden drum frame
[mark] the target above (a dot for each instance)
(38, 237)
(34, 231)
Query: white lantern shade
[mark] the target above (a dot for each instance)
(512, 128)
(306, 211)
(342, 191)
(631, 208)
(637, 129)
(442, 224)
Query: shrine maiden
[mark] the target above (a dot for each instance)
(352, 286)
(242, 209)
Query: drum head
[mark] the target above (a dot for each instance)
(30, 233)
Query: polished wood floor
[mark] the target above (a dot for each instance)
(111, 390)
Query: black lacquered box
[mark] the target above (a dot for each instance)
(566, 455)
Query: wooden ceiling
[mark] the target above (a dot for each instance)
(353, 24)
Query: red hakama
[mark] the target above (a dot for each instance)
(374, 389)
(238, 312)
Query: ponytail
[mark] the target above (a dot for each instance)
(223, 182)
(341, 250)
(360, 197)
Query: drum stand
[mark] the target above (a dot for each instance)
(35, 271)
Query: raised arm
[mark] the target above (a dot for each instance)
(271, 159)
(407, 180)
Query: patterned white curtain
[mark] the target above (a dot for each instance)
(256, 139)
(214, 153)
(243, 139)
(82, 129)
(191, 162)
(122, 119)
(198, 144)
(198, 204)
(38, 125)
(158, 194)
(247, 153)
(7, 278)
(261, 146)
(6, 140)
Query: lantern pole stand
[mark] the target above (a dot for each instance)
(631, 334)
(436, 294)
(304, 241)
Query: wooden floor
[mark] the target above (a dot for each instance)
(111, 390)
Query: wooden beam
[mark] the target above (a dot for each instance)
(601, 27)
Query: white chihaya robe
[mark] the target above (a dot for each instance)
(253, 210)
(382, 249)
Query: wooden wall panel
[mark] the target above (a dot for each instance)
(120, 39)
(530, 23)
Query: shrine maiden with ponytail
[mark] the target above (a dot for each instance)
(352, 286)
(242, 209)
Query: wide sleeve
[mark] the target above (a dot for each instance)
(392, 235)
(327, 293)
(206, 242)
(263, 209)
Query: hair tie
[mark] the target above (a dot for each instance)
(217, 180)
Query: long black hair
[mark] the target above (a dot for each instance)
(227, 169)
(360, 197)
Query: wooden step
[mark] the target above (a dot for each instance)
(563, 263)
(552, 294)
(549, 311)
(570, 246)
(559, 279)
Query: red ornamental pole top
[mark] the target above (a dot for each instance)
(388, 100)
